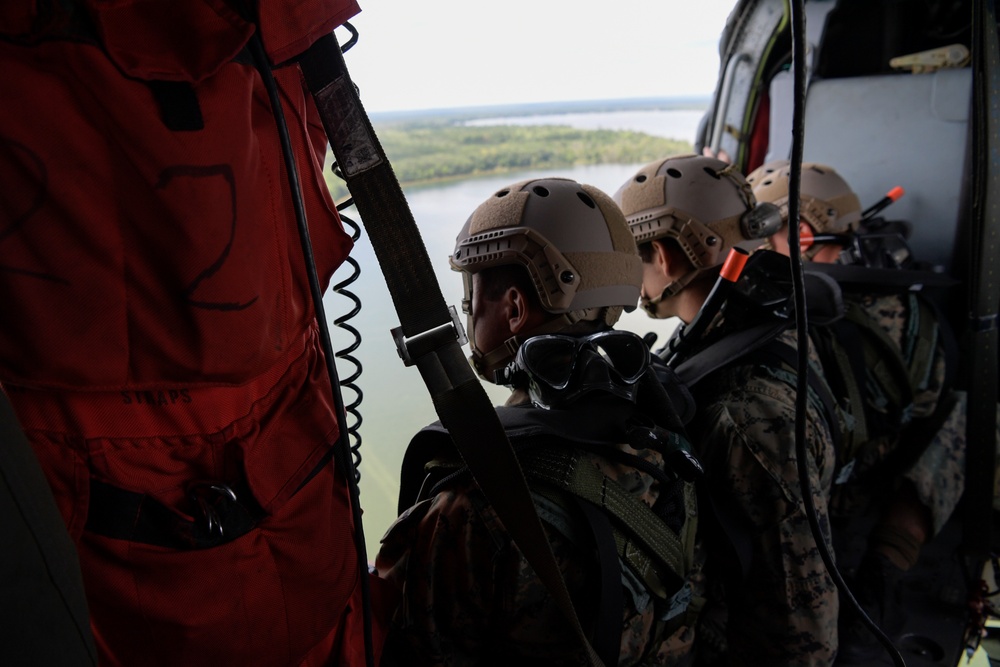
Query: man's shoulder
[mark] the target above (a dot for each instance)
(762, 387)
(769, 360)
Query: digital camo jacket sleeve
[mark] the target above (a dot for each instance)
(784, 611)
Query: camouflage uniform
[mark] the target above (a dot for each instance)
(471, 598)
(938, 475)
(783, 611)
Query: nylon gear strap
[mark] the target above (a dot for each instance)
(430, 335)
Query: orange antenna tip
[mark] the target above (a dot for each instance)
(734, 264)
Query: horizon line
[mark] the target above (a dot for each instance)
(493, 109)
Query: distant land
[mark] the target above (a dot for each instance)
(542, 108)
(436, 145)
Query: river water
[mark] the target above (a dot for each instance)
(396, 404)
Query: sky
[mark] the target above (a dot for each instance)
(454, 53)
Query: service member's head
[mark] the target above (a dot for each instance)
(543, 256)
(829, 211)
(686, 212)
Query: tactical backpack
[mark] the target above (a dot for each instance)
(880, 381)
(655, 543)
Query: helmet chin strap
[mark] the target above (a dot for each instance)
(652, 305)
(486, 364)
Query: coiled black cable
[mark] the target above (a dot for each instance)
(350, 382)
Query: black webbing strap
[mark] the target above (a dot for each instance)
(727, 350)
(565, 472)
(430, 337)
(223, 513)
(914, 439)
(985, 293)
(753, 345)
(841, 341)
(923, 341)
(874, 279)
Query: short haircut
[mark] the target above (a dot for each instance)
(496, 280)
(669, 242)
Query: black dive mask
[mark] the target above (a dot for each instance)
(561, 368)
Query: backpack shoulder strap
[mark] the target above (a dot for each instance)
(644, 540)
(925, 331)
(727, 350)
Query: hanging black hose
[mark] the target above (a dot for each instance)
(341, 448)
(798, 26)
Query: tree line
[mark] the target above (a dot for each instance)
(438, 151)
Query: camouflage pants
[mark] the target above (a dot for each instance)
(939, 473)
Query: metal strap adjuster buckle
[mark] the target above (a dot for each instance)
(214, 501)
(412, 348)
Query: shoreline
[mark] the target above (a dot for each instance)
(448, 180)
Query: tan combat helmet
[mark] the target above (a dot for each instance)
(574, 243)
(703, 203)
(826, 202)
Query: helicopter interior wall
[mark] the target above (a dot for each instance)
(881, 127)
(883, 131)
(907, 130)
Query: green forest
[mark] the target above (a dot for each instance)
(429, 151)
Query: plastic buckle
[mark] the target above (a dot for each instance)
(412, 348)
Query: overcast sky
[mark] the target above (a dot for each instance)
(451, 53)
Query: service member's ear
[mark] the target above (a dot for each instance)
(517, 310)
(668, 260)
(521, 312)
